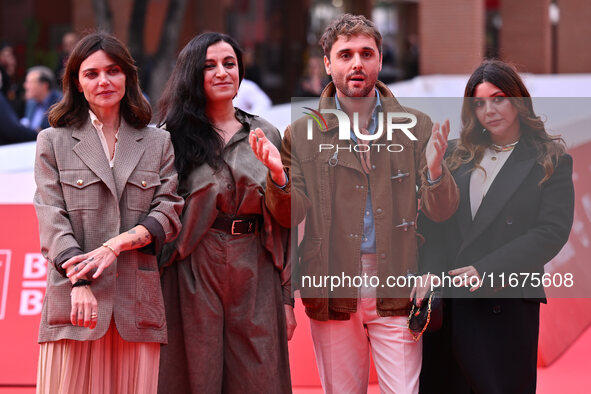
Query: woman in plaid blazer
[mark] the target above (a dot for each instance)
(106, 202)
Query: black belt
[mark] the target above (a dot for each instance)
(237, 225)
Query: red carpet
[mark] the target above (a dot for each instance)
(571, 374)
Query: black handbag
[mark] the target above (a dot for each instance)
(427, 317)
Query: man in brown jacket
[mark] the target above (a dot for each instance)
(357, 191)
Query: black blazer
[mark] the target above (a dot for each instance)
(520, 225)
(490, 345)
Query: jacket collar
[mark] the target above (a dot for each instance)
(246, 120)
(243, 117)
(517, 167)
(129, 152)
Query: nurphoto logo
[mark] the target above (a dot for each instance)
(394, 121)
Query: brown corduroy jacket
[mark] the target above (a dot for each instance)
(331, 196)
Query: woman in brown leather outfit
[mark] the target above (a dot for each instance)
(226, 281)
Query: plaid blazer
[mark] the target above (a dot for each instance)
(81, 202)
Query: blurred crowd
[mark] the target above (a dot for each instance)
(24, 104)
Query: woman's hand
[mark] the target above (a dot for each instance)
(421, 288)
(435, 150)
(103, 256)
(267, 154)
(290, 321)
(84, 311)
(466, 273)
(100, 258)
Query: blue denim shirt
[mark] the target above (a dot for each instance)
(368, 242)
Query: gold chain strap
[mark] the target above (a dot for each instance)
(412, 310)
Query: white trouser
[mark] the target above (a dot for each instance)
(342, 350)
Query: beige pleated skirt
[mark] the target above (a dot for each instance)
(107, 365)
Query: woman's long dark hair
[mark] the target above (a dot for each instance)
(473, 141)
(182, 106)
(72, 110)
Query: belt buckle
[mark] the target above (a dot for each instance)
(234, 224)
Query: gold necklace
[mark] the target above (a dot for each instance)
(504, 148)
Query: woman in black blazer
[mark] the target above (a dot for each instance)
(515, 214)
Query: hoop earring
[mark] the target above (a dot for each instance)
(484, 131)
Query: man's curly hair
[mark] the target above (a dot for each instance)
(349, 25)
